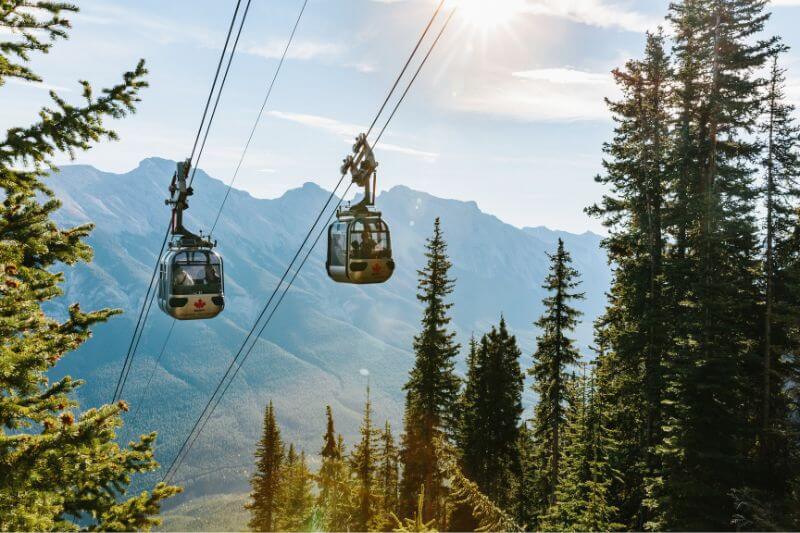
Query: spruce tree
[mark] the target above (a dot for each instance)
(491, 411)
(388, 479)
(335, 494)
(583, 500)
(363, 463)
(716, 332)
(267, 482)
(295, 511)
(781, 164)
(637, 166)
(432, 388)
(60, 468)
(555, 354)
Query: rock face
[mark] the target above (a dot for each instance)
(317, 346)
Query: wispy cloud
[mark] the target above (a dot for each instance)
(596, 13)
(303, 50)
(38, 85)
(347, 131)
(563, 75)
(548, 94)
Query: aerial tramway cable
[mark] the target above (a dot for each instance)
(150, 294)
(236, 172)
(215, 398)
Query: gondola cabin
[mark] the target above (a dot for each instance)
(191, 283)
(359, 250)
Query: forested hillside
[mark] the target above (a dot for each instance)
(324, 334)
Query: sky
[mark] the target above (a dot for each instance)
(509, 110)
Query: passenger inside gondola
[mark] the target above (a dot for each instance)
(196, 272)
(369, 240)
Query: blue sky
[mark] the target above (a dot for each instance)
(508, 114)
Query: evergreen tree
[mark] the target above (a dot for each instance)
(388, 480)
(777, 448)
(432, 388)
(637, 320)
(335, 491)
(715, 327)
(525, 509)
(364, 466)
(295, 511)
(59, 467)
(555, 352)
(582, 495)
(491, 411)
(266, 482)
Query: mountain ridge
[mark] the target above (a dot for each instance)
(324, 334)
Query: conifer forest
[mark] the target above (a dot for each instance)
(681, 414)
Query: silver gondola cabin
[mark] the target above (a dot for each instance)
(190, 282)
(359, 243)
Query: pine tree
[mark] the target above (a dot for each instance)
(582, 496)
(266, 482)
(335, 499)
(59, 467)
(637, 320)
(707, 403)
(781, 163)
(491, 411)
(555, 353)
(363, 463)
(388, 478)
(295, 510)
(432, 388)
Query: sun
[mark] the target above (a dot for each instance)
(488, 14)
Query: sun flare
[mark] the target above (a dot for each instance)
(488, 14)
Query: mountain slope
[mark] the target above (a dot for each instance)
(324, 335)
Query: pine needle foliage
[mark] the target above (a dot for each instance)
(267, 481)
(432, 388)
(60, 468)
(555, 355)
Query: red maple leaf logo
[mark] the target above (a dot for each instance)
(376, 267)
(199, 304)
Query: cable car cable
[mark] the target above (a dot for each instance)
(144, 311)
(408, 62)
(252, 132)
(209, 409)
(152, 372)
(219, 93)
(258, 117)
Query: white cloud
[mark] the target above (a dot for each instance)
(785, 2)
(38, 85)
(348, 131)
(595, 13)
(549, 94)
(563, 75)
(303, 50)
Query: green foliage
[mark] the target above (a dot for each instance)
(491, 407)
(388, 480)
(363, 463)
(295, 511)
(464, 492)
(582, 500)
(555, 353)
(636, 324)
(59, 467)
(697, 352)
(268, 480)
(432, 388)
(337, 494)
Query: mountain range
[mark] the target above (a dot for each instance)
(326, 342)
